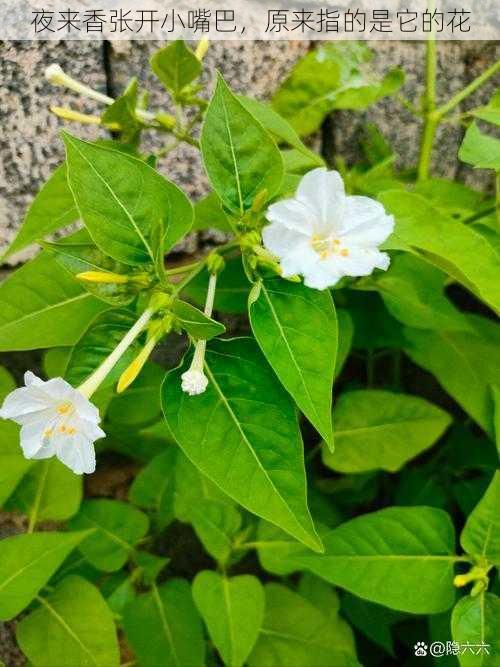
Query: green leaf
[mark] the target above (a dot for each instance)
(477, 620)
(280, 129)
(192, 489)
(233, 610)
(373, 620)
(176, 66)
(122, 112)
(451, 198)
(49, 491)
(240, 158)
(97, 343)
(413, 293)
(480, 150)
(13, 465)
(381, 430)
(163, 627)
(231, 295)
(332, 76)
(195, 322)
(140, 404)
(118, 527)
(52, 209)
(43, 307)
(296, 328)
(83, 255)
(73, 626)
(242, 433)
(481, 534)
(294, 632)
(120, 198)
(154, 487)
(26, 564)
(208, 214)
(400, 557)
(216, 524)
(326, 600)
(374, 327)
(495, 391)
(449, 244)
(346, 334)
(489, 113)
(276, 549)
(121, 595)
(465, 364)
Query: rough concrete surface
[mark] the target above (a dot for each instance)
(30, 147)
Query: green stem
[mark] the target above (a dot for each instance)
(183, 269)
(468, 90)
(431, 119)
(190, 276)
(38, 498)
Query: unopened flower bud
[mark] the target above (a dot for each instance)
(69, 114)
(102, 277)
(202, 49)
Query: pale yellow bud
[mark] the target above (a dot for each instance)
(69, 114)
(202, 49)
(130, 374)
(102, 277)
(55, 75)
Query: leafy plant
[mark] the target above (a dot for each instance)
(313, 481)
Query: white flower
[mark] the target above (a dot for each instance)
(56, 420)
(323, 234)
(194, 382)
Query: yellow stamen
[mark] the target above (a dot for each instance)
(48, 433)
(344, 252)
(64, 408)
(71, 431)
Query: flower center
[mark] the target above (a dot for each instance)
(326, 247)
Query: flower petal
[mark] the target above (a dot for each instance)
(84, 408)
(299, 260)
(24, 401)
(34, 443)
(76, 452)
(293, 214)
(365, 222)
(279, 240)
(58, 389)
(362, 262)
(31, 378)
(323, 192)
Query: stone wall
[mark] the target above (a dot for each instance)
(30, 147)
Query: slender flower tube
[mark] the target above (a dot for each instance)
(58, 420)
(194, 380)
(57, 77)
(94, 381)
